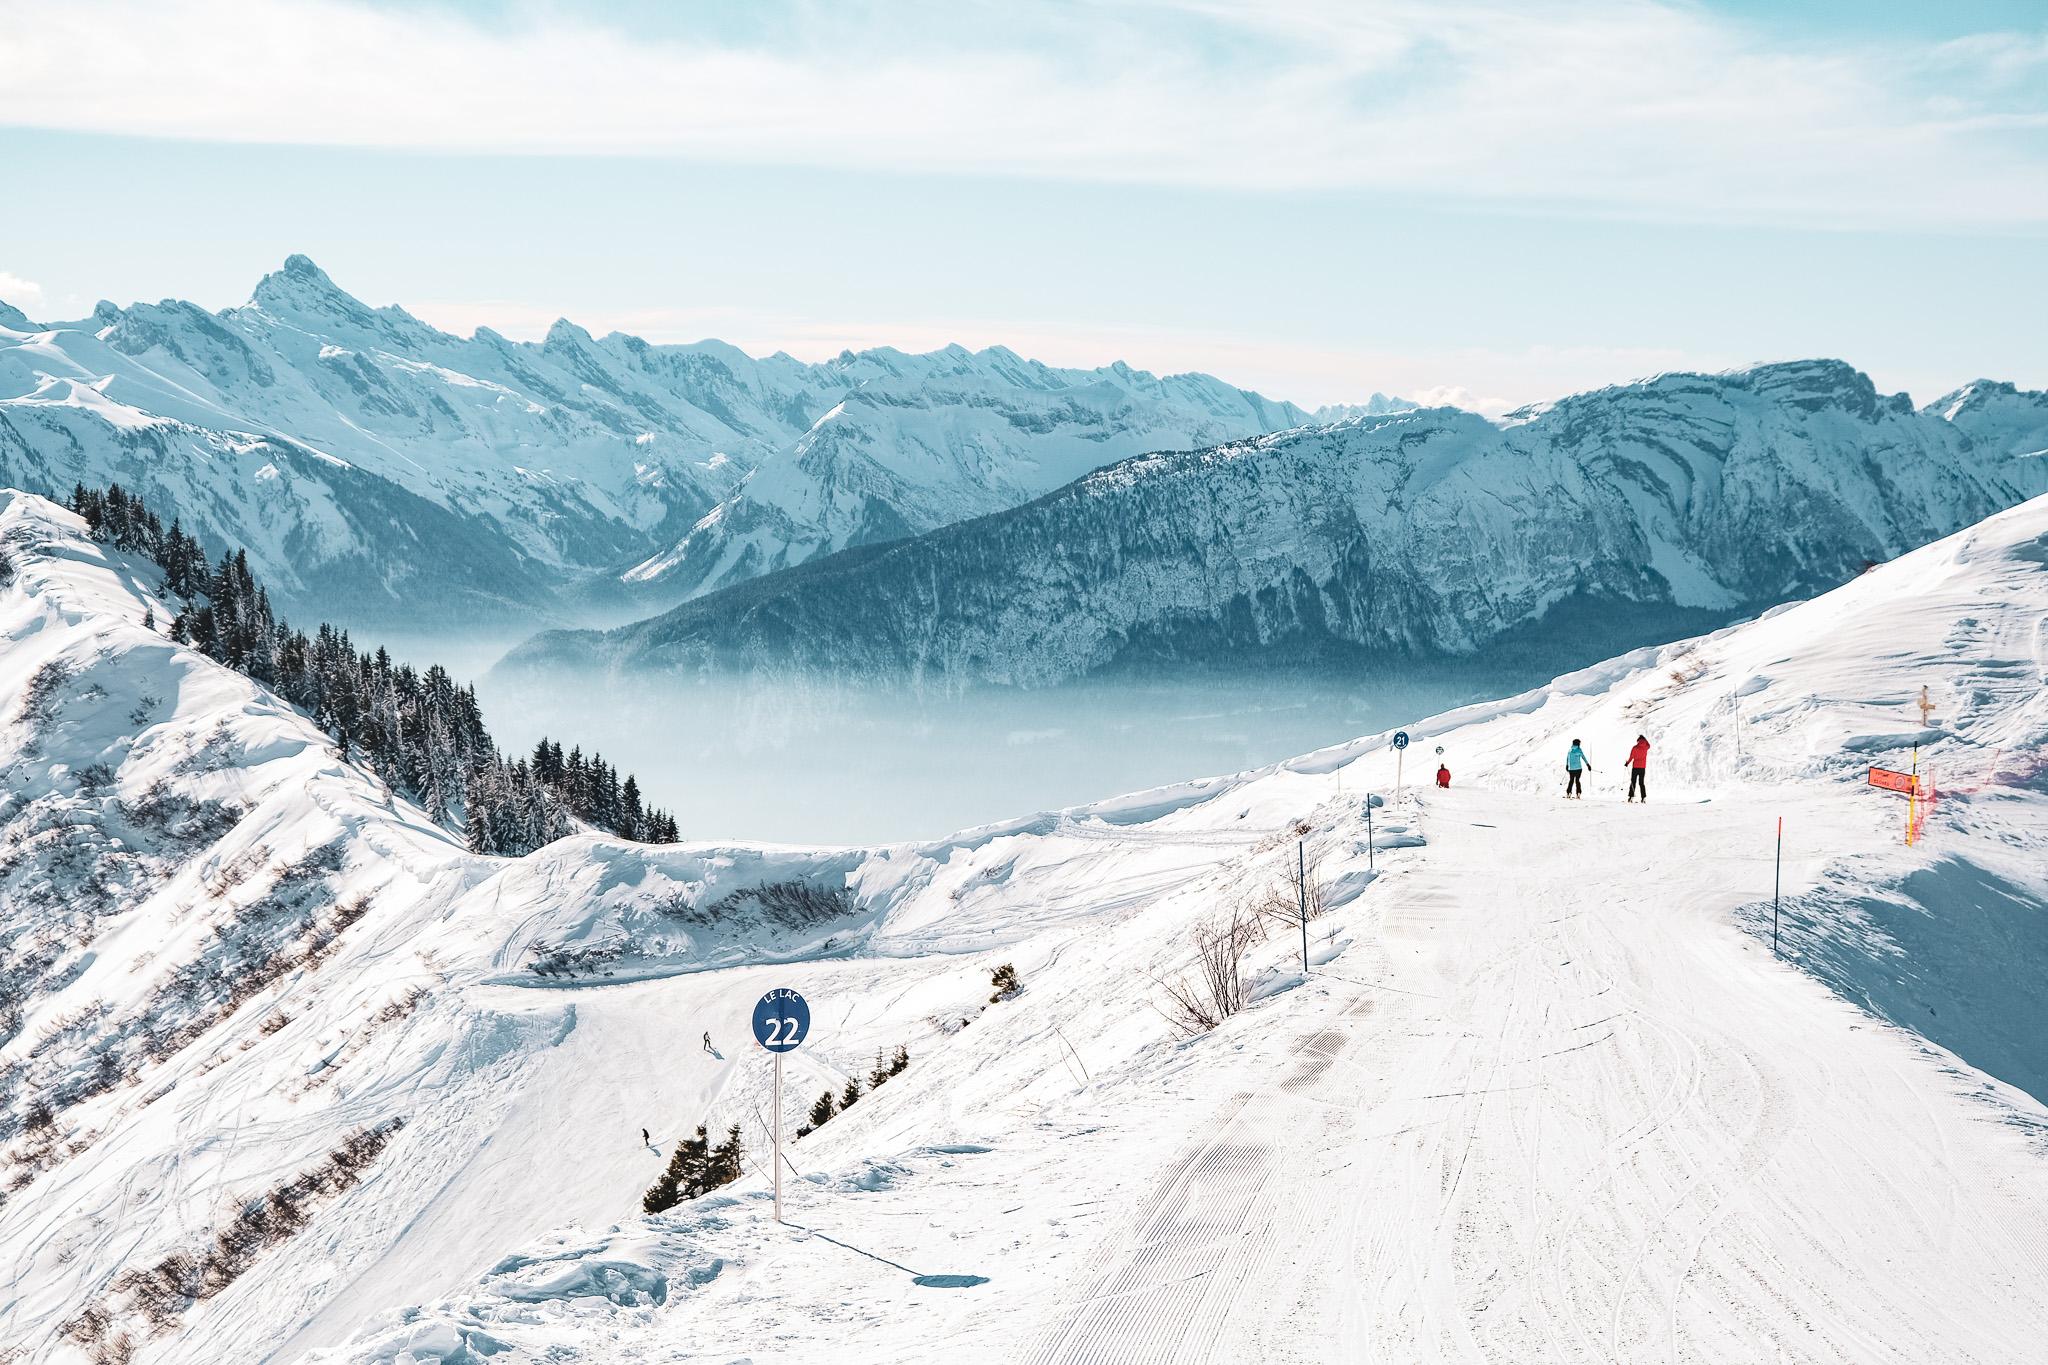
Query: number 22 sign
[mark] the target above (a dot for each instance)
(782, 1020)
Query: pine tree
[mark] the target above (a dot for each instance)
(725, 1165)
(684, 1176)
(823, 1110)
(899, 1063)
(479, 830)
(850, 1094)
(881, 1072)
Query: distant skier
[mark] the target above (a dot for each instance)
(646, 1138)
(1638, 759)
(1575, 766)
(707, 1043)
(1443, 776)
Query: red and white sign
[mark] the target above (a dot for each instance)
(1891, 781)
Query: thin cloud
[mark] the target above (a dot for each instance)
(1618, 106)
(26, 295)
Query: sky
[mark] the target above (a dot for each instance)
(1482, 201)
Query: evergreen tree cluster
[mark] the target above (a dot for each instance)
(828, 1104)
(420, 732)
(697, 1168)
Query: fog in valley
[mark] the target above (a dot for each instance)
(743, 758)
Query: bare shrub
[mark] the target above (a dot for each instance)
(1212, 987)
(160, 1294)
(39, 699)
(550, 959)
(178, 818)
(399, 1008)
(93, 1331)
(791, 904)
(1294, 889)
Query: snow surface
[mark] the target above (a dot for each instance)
(1544, 1092)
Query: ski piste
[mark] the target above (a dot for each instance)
(1543, 1092)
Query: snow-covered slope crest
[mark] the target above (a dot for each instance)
(1054, 1168)
(238, 974)
(1592, 973)
(1643, 511)
(227, 954)
(375, 467)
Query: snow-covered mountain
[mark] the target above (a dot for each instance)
(1587, 524)
(376, 468)
(920, 442)
(284, 1070)
(2006, 422)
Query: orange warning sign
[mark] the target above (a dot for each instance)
(1893, 782)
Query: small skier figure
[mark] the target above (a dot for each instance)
(1575, 766)
(1443, 775)
(1638, 760)
(707, 1040)
(646, 1138)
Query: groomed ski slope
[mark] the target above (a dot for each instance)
(1545, 1093)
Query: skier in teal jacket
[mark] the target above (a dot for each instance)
(1574, 764)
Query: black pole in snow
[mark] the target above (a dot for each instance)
(1301, 892)
(1777, 883)
(1369, 864)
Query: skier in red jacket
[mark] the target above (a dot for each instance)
(1638, 759)
(1443, 776)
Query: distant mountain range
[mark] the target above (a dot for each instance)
(1567, 530)
(378, 469)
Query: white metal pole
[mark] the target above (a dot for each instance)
(1399, 785)
(778, 1137)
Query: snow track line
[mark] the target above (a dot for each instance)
(1165, 1290)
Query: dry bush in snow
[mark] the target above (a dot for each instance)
(1212, 988)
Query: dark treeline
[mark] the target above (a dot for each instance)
(420, 732)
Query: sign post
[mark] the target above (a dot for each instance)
(1777, 884)
(1369, 864)
(1301, 896)
(782, 1020)
(1400, 752)
(1907, 785)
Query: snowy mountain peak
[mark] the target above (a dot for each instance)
(1815, 384)
(13, 319)
(563, 334)
(300, 284)
(306, 296)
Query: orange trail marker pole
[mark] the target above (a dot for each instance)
(1913, 801)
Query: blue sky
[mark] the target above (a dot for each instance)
(1491, 201)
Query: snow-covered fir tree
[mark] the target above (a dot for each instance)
(418, 731)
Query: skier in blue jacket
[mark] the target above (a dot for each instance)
(1574, 764)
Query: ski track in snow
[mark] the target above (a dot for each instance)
(1605, 1128)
